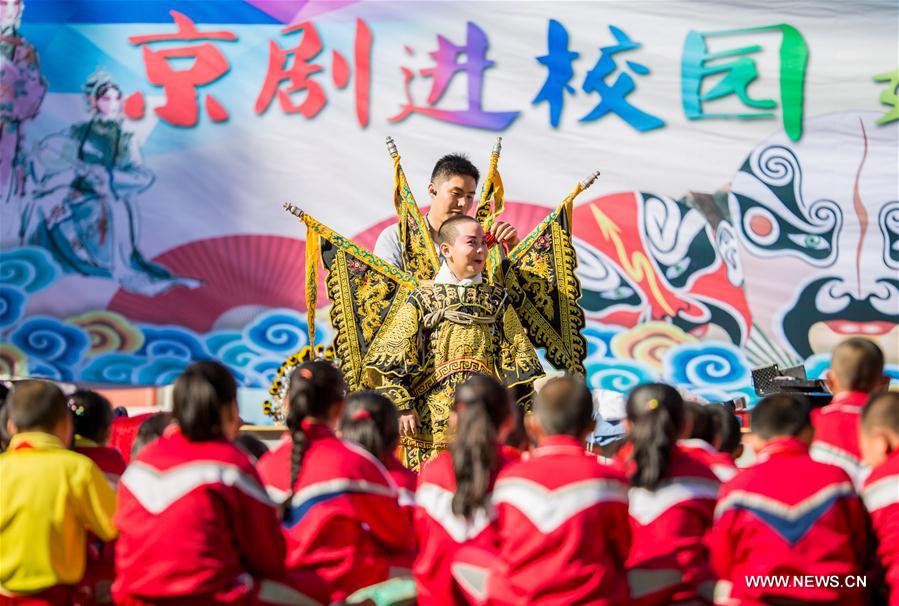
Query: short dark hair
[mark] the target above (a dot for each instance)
(780, 415)
(149, 431)
(452, 165)
(564, 406)
(37, 405)
(700, 420)
(727, 427)
(882, 410)
(450, 228)
(92, 414)
(200, 393)
(857, 364)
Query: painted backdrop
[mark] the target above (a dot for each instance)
(747, 212)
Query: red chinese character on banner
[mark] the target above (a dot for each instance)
(291, 71)
(180, 85)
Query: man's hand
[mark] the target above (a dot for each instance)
(503, 232)
(408, 422)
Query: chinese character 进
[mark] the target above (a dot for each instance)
(448, 65)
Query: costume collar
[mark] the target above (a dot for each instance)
(850, 398)
(35, 440)
(82, 442)
(446, 276)
(782, 446)
(550, 444)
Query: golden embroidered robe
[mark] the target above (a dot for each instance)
(440, 336)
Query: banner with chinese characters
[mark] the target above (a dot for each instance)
(747, 211)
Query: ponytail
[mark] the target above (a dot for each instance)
(314, 388)
(656, 415)
(482, 404)
(370, 419)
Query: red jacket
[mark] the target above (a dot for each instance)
(563, 529)
(193, 520)
(109, 460)
(788, 515)
(836, 434)
(406, 480)
(668, 560)
(881, 498)
(441, 533)
(344, 522)
(123, 432)
(721, 463)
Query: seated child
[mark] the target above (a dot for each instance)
(671, 503)
(856, 370)
(196, 526)
(700, 434)
(92, 414)
(563, 530)
(452, 503)
(342, 517)
(150, 430)
(879, 442)
(50, 497)
(787, 515)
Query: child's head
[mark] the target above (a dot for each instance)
(454, 183)
(482, 412)
(728, 433)
(40, 406)
(316, 394)
(655, 416)
(698, 424)
(205, 402)
(92, 414)
(150, 431)
(463, 244)
(856, 365)
(564, 407)
(253, 445)
(782, 415)
(370, 419)
(879, 428)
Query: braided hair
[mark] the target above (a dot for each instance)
(315, 387)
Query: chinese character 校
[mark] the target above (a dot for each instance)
(612, 97)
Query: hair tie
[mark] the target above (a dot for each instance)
(361, 414)
(306, 373)
(652, 404)
(77, 409)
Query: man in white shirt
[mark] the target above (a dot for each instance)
(452, 190)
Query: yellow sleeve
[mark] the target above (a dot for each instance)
(96, 501)
(518, 363)
(396, 357)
